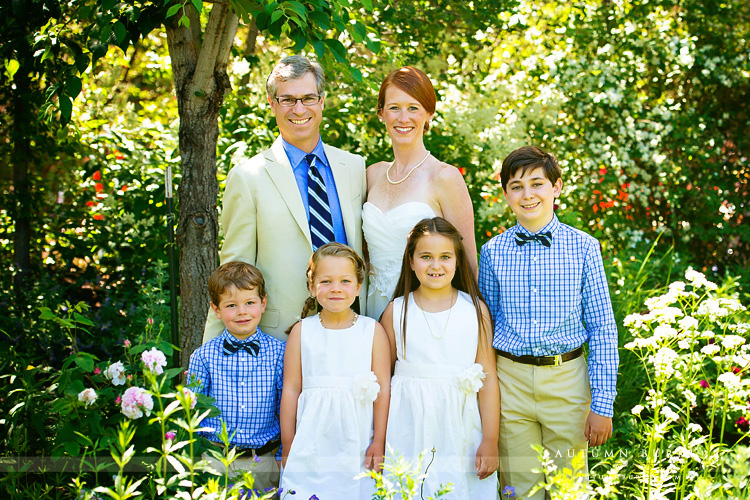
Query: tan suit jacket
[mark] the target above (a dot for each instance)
(265, 224)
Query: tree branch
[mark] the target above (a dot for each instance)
(217, 45)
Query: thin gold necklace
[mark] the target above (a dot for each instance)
(354, 320)
(388, 171)
(445, 327)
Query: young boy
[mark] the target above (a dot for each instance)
(545, 285)
(242, 369)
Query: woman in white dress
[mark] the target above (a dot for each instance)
(413, 186)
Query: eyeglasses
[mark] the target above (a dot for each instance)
(308, 100)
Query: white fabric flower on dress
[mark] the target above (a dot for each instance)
(470, 379)
(366, 387)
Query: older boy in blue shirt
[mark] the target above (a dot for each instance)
(242, 369)
(545, 285)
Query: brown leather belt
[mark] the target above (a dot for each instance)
(543, 360)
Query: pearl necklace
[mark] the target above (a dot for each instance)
(354, 320)
(388, 171)
(445, 327)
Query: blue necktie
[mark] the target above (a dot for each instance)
(230, 347)
(321, 222)
(544, 239)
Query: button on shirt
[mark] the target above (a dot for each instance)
(247, 388)
(299, 166)
(549, 301)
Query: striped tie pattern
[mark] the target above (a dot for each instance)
(321, 225)
(544, 239)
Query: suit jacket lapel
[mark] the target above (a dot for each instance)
(342, 178)
(280, 171)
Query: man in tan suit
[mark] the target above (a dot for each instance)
(265, 212)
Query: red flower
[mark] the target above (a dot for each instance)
(124, 188)
(736, 369)
(462, 170)
(704, 384)
(97, 176)
(99, 187)
(119, 155)
(98, 217)
(89, 203)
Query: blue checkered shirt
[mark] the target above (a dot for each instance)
(247, 389)
(548, 301)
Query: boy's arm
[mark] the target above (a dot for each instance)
(381, 367)
(291, 391)
(599, 320)
(198, 377)
(487, 461)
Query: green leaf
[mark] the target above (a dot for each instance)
(72, 448)
(173, 10)
(320, 48)
(108, 4)
(78, 317)
(319, 19)
(360, 31)
(300, 40)
(11, 67)
(66, 107)
(184, 21)
(356, 73)
(276, 15)
(82, 62)
(173, 372)
(367, 4)
(87, 364)
(337, 48)
(373, 45)
(198, 4)
(120, 32)
(298, 8)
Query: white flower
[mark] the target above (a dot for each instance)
(634, 321)
(669, 413)
(732, 341)
(710, 349)
(640, 343)
(694, 277)
(708, 334)
(116, 373)
(154, 360)
(660, 302)
(693, 427)
(664, 332)
(667, 314)
(742, 360)
(663, 361)
(683, 344)
(692, 475)
(740, 328)
(189, 397)
(731, 380)
(87, 396)
(690, 397)
(688, 323)
(366, 387)
(677, 285)
(470, 379)
(637, 409)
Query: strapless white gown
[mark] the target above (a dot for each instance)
(386, 234)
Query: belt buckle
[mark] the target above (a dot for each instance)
(558, 360)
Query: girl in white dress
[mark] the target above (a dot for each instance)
(444, 393)
(334, 404)
(413, 186)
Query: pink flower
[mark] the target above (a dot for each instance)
(97, 370)
(705, 384)
(135, 402)
(189, 397)
(154, 360)
(118, 399)
(150, 321)
(742, 422)
(126, 343)
(170, 435)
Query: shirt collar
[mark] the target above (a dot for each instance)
(255, 336)
(551, 227)
(296, 155)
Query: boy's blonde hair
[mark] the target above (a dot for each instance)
(241, 275)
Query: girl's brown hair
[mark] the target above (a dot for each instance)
(332, 249)
(463, 280)
(415, 83)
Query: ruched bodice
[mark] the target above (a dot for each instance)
(386, 234)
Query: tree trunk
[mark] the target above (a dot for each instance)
(22, 206)
(201, 82)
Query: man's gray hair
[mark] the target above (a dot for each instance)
(293, 68)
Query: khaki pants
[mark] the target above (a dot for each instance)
(265, 471)
(543, 405)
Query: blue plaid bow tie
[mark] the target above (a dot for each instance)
(230, 347)
(543, 238)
